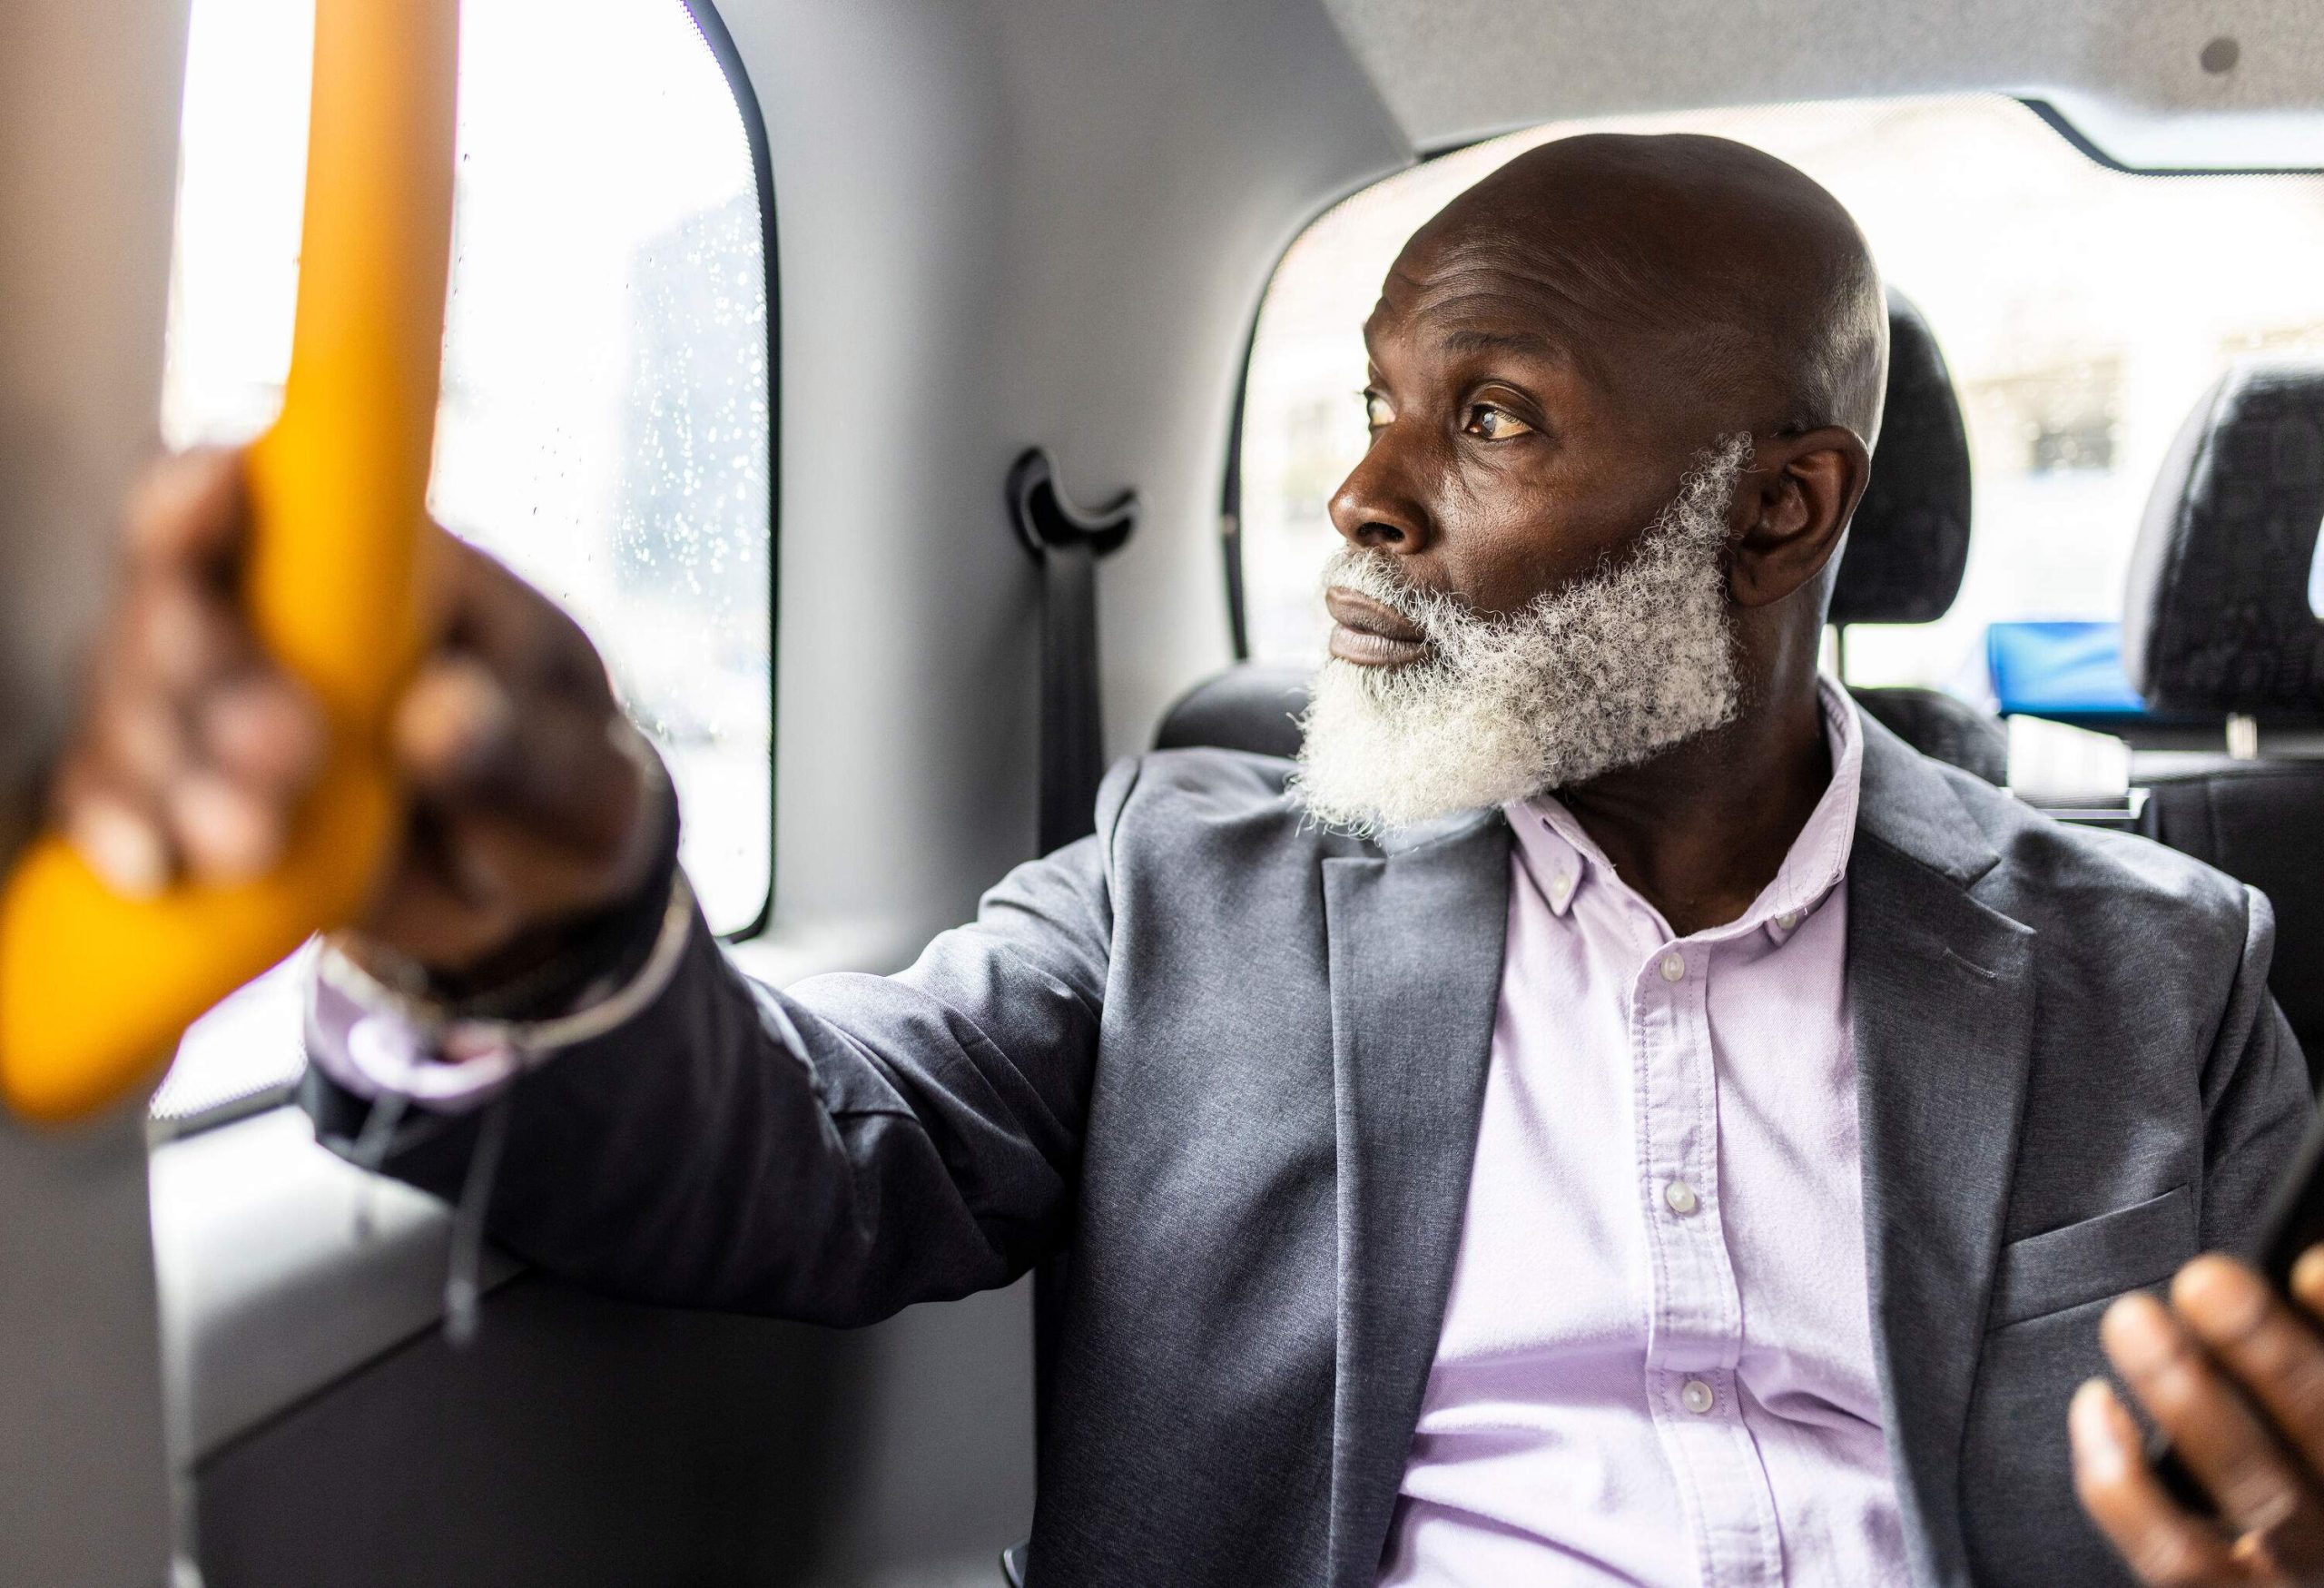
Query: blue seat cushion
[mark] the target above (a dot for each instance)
(2060, 669)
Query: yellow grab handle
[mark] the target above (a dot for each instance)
(95, 989)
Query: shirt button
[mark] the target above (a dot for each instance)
(1788, 920)
(1674, 969)
(1697, 1397)
(1562, 886)
(1682, 1198)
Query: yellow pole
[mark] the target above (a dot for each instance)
(95, 989)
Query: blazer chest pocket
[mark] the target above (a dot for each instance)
(2106, 1256)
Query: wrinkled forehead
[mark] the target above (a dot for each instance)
(1547, 289)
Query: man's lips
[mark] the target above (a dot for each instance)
(1370, 635)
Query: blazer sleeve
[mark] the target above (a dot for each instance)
(2256, 1100)
(833, 1153)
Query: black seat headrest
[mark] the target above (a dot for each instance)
(1252, 705)
(1909, 541)
(2215, 618)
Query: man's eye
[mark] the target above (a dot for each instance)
(1495, 424)
(1377, 414)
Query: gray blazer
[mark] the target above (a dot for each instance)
(1232, 1066)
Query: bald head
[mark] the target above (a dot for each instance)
(1621, 398)
(1747, 277)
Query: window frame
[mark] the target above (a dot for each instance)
(1230, 486)
(712, 29)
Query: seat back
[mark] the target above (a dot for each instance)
(2217, 621)
(1252, 705)
(1908, 544)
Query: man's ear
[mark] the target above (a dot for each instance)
(1790, 505)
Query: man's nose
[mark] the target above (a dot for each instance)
(1377, 508)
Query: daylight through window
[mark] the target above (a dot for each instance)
(604, 419)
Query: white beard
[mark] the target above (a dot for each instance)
(1618, 665)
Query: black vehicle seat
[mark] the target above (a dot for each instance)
(1252, 705)
(1906, 553)
(2216, 621)
(1909, 543)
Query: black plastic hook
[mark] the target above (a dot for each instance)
(1045, 520)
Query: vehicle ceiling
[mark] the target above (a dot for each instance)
(2131, 74)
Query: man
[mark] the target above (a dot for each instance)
(1610, 1114)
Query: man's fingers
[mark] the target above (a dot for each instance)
(2213, 1428)
(203, 779)
(180, 636)
(467, 884)
(2307, 1282)
(137, 740)
(521, 635)
(191, 508)
(119, 835)
(529, 807)
(2164, 1545)
(531, 798)
(2278, 1359)
(554, 766)
(264, 731)
(438, 906)
(139, 834)
(223, 832)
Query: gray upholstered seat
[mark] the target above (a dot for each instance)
(2217, 620)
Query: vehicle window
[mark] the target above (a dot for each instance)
(605, 425)
(2083, 310)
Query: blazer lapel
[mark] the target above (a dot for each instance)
(1941, 991)
(1415, 941)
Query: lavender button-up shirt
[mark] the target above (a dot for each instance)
(1655, 1364)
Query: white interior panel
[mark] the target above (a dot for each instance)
(1002, 223)
(1454, 70)
(88, 144)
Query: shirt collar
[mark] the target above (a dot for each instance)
(1563, 859)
